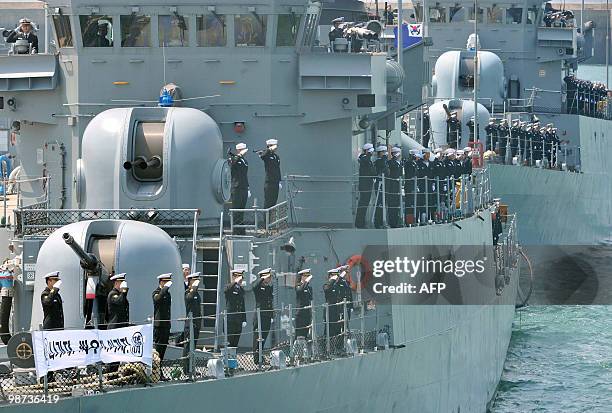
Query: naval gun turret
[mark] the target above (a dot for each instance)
(157, 157)
(454, 75)
(139, 249)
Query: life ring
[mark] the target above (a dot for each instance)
(366, 271)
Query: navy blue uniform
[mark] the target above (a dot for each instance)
(366, 180)
(273, 177)
(240, 188)
(234, 301)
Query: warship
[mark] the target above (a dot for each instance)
(560, 202)
(118, 175)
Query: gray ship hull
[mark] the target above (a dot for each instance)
(445, 358)
(558, 207)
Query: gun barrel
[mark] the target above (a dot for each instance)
(88, 261)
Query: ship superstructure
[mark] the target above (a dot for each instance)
(237, 72)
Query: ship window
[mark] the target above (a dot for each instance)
(63, 30)
(97, 31)
(211, 30)
(135, 31)
(532, 15)
(437, 14)
(288, 26)
(173, 31)
(514, 15)
(250, 30)
(456, 14)
(480, 14)
(466, 73)
(494, 15)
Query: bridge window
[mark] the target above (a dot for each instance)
(480, 14)
(250, 30)
(173, 31)
(63, 30)
(135, 31)
(288, 26)
(514, 15)
(532, 15)
(97, 31)
(495, 15)
(456, 14)
(211, 30)
(437, 14)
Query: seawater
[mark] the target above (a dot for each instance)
(559, 360)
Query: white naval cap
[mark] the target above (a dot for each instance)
(419, 154)
(266, 272)
(271, 142)
(333, 271)
(240, 146)
(413, 151)
(449, 151)
(116, 277)
(237, 272)
(467, 149)
(185, 266)
(368, 147)
(338, 20)
(54, 274)
(459, 152)
(305, 271)
(426, 150)
(381, 148)
(437, 150)
(166, 276)
(395, 149)
(194, 275)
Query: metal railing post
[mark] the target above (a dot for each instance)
(191, 347)
(313, 331)
(259, 338)
(225, 338)
(415, 217)
(291, 332)
(363, 326)
(345, 323)
(402, 213)
(384, 201)
(327, 342)
(4, 224)
(100, 377)
(438, 209)
(256, 218)
(426, 199)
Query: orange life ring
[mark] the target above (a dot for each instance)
(366, 271)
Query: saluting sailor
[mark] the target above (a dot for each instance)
(161, 308)
(273, 173)
(193, 307)
(234, 300)
(303, 296)
(264, 296)
(53, 310)
(118, 307)
(240, 183)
